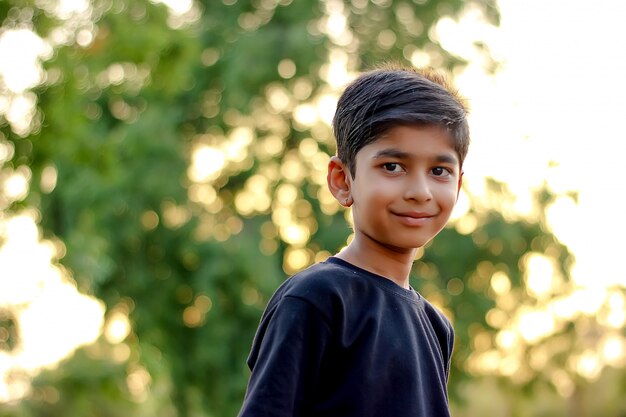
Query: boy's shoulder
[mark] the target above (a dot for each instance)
(321, 279)
(337, 281)
(322, 286)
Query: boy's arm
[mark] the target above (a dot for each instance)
(285, 360)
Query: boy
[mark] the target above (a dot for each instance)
(349, 337)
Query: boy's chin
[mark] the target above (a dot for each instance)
(405, 247)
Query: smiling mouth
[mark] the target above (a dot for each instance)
(414, 215)
(414, 219)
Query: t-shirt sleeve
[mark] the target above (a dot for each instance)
(285, 360)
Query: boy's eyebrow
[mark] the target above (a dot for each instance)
(391, 153)
(447, 159)
(398, 154)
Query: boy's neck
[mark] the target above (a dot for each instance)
(390, 264)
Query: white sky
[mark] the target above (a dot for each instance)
(560, 96)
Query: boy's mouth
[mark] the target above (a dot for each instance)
(414, 218)
(413, 214)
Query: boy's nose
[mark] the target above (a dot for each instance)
(418, 189)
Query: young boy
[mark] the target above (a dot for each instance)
(349, 337)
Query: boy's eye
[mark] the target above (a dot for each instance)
(392, 167)
(440, 171)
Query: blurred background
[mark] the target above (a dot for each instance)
(162, 171)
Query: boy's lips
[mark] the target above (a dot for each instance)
(414, 218)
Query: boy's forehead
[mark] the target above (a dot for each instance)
(413, 140)
(426, 128)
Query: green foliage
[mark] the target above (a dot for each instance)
(82, 386)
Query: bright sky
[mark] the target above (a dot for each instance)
(559, 97)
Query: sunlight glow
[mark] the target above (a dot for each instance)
(255, 196)
(65, 9)
(206, 163)
(48, 308)
(236, 148)
(278, 98)
(500, 283)
(305, 114)
(297, 258)
(539, 274)
(59, 318)
(117, 327)
(21, 112)
(16, 186)
(21, 52)
(587, 364)
(534, 325)
(295, 234)
(613, 350)
(520, 115)
(335, 24)
(335, 73)
(292, 168)
(326, 107)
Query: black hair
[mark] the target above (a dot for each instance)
(389, 96)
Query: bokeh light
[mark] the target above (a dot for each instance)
(54, 319)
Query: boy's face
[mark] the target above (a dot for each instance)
(405, 187)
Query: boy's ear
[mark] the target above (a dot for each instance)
(338, 179)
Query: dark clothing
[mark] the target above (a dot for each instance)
(336, 340)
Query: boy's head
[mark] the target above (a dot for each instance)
(392, 96)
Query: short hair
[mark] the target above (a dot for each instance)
(389, 96)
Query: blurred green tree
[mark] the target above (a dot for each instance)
(180, 157)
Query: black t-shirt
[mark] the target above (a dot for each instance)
(336, 340)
